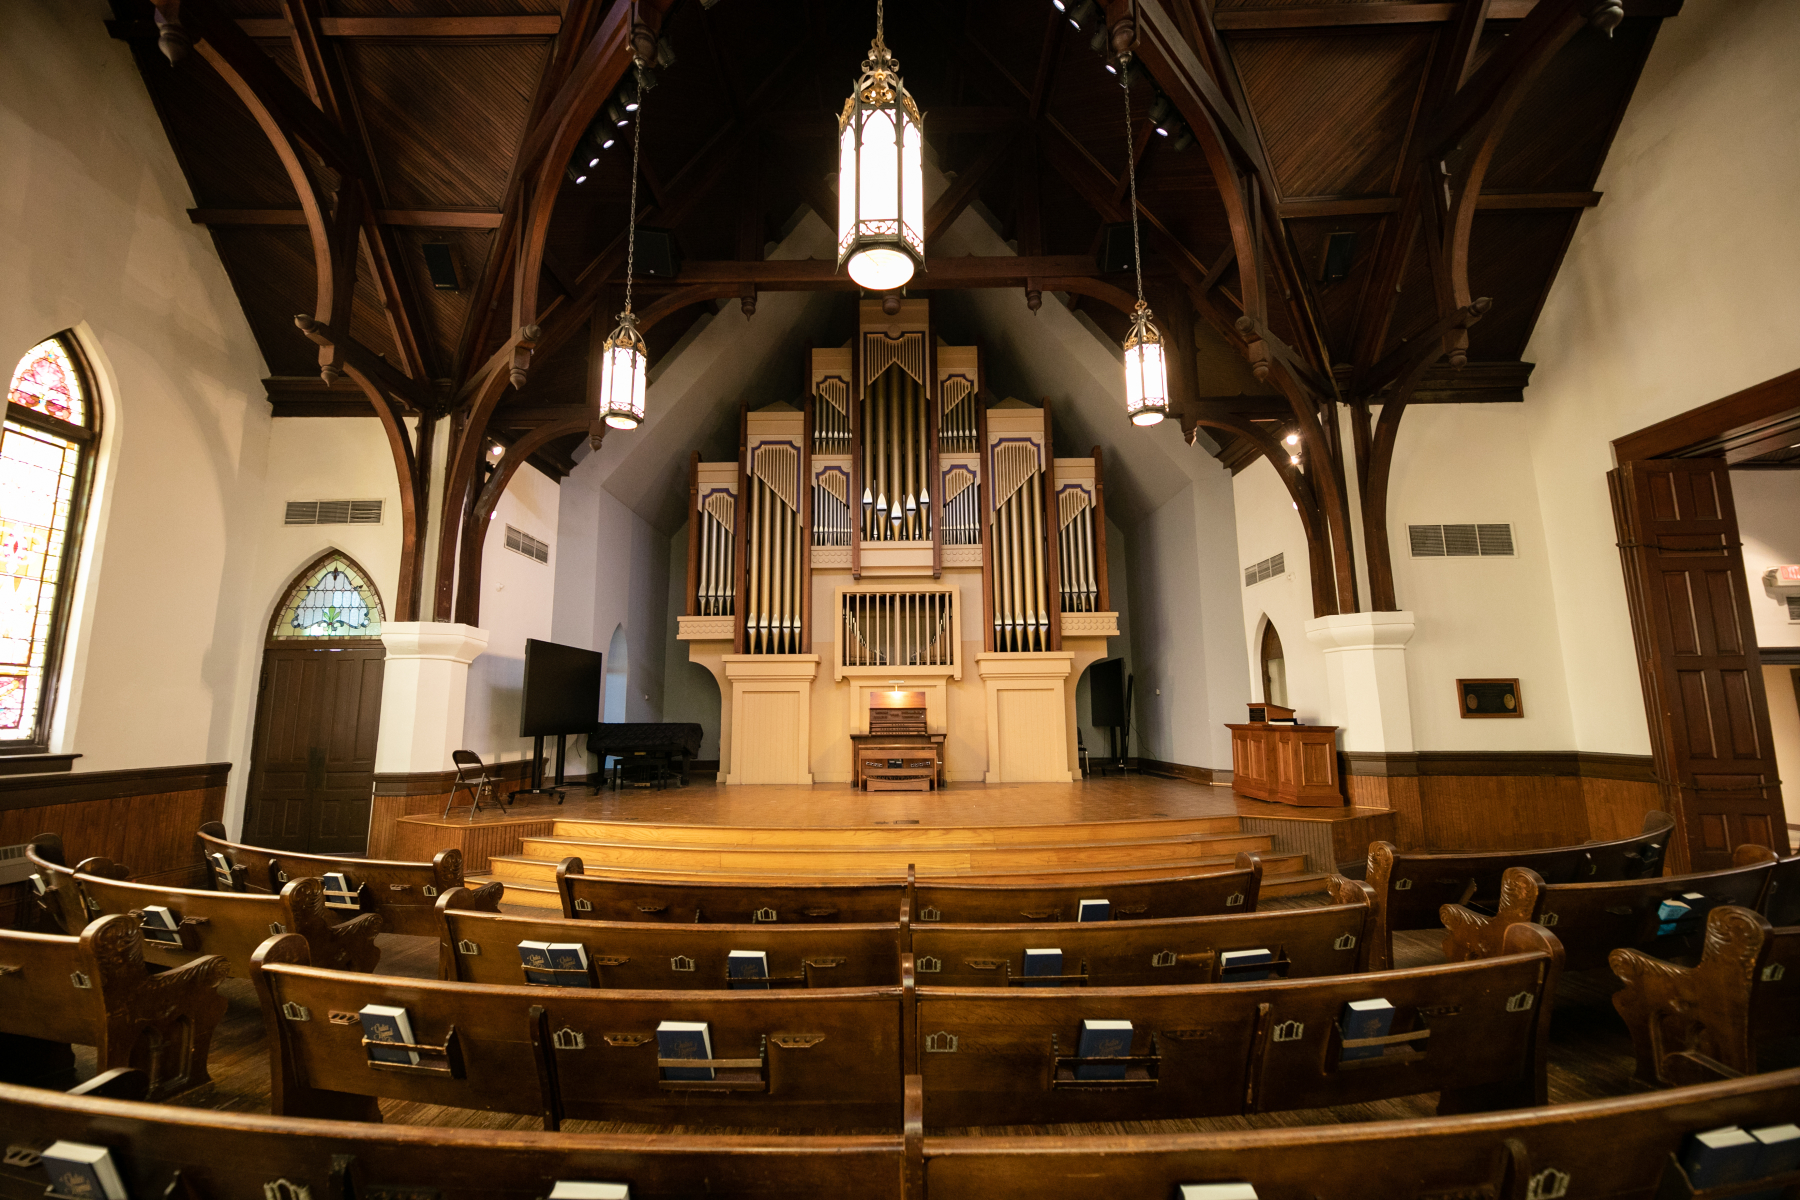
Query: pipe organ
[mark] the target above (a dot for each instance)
(898, 498)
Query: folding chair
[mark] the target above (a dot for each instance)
(471, 774)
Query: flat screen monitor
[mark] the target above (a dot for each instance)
(562, 690)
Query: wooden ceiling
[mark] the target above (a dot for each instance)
(444, 103)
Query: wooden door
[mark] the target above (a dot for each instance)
(313, 766)
(1697, 656)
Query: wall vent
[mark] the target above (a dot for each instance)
(1461, 541)
(1268, 568)
(527, 545)
(14, 866)
(1794, 609)
(333, 512)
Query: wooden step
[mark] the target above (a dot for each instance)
(880, 860)
(860, 836)
(1293, 884)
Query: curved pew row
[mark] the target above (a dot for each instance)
(403, 894)
(1594, 919)
(1411, 886)
(1588, 1151)
(227, 924)
(94, 989)
(611, 898)
(481, 947)
(1706, 1021)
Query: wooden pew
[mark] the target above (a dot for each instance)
(1600, 1148)
(94, 990)
(61, 898)
(1781, 903)
(1477, 1033)
(604, 898)
(482, 947)
(825, 1059)
(404, 894)
(1306, 942)
(1689, 1024)
(1233, 891)
(1594, 919)
(1410, 887)
(232, 925)
(195, 1154)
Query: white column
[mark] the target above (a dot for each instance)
(1365, 673)
(423, 690)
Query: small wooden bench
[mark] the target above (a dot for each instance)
(228, 924)
(1305, 942)
(1412, 886)
(1233, 891)
(824, 1059)
(1476, 1033)
(1690, 1024)
(482, 947)
(1594, 919)
(605, 898)
(404, 894)
(94, 990)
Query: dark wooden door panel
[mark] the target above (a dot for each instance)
(318, 717)
(1697, 656)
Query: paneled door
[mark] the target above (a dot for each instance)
(1697, 656)
(313, 766)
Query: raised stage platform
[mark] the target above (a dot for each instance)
(1134, 827)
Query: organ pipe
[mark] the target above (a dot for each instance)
(896, 501)
(1020, 567)
(714, 590)
(773, 621)
(1080, 573)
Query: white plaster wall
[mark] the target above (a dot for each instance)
(1677, 290)
(1187, 644)
(1768, 511)
(97, 239)
(690, 693)
(1268, 525)
(517, 597)
(1477, 618)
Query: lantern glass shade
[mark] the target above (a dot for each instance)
(1146, 370)
(623, 367)
(881, 186)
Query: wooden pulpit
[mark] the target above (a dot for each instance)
(1274, 757)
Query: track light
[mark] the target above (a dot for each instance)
(1160, 108)
(1182, 139)
(615, 112)
(1060, 6)
(1082, 13)
(1292, 439)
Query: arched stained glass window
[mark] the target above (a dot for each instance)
(46, 463)
(332, 598)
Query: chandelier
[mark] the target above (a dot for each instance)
(881, 190)
(623, 361)
(1146, 367)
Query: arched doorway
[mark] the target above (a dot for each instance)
(618, 676)
(1274, 667)
(318, 710)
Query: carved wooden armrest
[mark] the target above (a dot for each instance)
(352, 943)
(203, 972)
(1644, 970)
(486, 898)
(1465, 933)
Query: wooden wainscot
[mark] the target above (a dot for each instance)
(1274, 757)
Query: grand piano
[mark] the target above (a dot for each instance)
(648, 752)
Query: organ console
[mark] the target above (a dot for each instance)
(890, 513)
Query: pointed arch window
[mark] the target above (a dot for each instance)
(46, 471)
(331, 599)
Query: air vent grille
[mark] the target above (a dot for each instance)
(333, 512)
(524, 543)
(14, 866)
(1794, 609)
(1268, 568)
(1461, 541)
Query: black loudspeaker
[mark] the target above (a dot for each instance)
(1115, 249)
(1106, 693)
(657, 254)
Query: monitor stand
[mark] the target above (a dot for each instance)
(536, 780)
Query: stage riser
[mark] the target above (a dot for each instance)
(893, 835)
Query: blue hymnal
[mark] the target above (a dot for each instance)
(684, 1039)
(1683, 914)
(1361, 1020)
(1778, 1152)
(84, 1171)
(388, 1023)
(1721, 1156)
(160, 925)
(747, 969)
(559, 964)
(1040, 963)
(1103, 1039)
(1094, 910)
(1240, 966)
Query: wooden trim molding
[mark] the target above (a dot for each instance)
(1694, 430)
(36, 764)
(39, 791)
(1567, 763)
(437, 783)
(1152, 766)
(1779, 656)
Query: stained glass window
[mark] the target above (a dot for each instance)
(331, 599)
(43, 476)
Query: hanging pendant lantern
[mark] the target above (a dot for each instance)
(1146, 366)
(624, 364)
(881, 188)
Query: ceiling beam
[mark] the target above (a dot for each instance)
(1382, 205)
(393, 29)
(416, 218)
(1346, 16)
